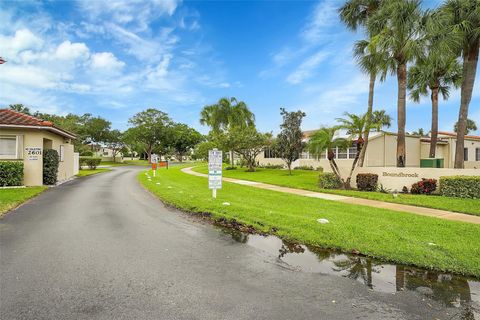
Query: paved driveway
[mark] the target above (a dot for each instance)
(103, 248)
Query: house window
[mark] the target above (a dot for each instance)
(8, 147)
(352, 152)
(465, 154)
(477, 154)
(342, 154)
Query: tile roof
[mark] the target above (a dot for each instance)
(12, 118)
(453, 134)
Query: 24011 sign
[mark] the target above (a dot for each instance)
(33, 153)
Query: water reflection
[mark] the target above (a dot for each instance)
(452, 291)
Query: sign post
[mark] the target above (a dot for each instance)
(154, 162)
(214, 171)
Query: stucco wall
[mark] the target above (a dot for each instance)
(33, 166)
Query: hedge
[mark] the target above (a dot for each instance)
(11, 173)
(367, 181)
(424, 186)
(50, 166)
(460, 186)
(91, 162)
(329, 180)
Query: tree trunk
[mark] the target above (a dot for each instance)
(354, 164)
(434, 130)
(401, 113)
(366, 132)
(470, 60)
(232, 161)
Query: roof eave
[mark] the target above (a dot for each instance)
(53, 129)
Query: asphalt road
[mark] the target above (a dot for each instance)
(103, 248)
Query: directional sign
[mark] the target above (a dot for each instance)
(214, 171)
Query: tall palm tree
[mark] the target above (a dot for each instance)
(355, 126)
(355, 13)
(397, 28)
(325, 139)
(434, 72)
(462, 18)
(226, 114)
(380, 119)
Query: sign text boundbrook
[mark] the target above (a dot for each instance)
(400, 174)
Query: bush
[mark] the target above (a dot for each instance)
(50, 166)
(367, 181)
(11, 173)
(86, 153)
(272, 166)
(460, 186)
(425, 186)
(329, 180)
(91, 162)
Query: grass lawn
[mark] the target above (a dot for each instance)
(89, 172)
(136, 162)
(13, 197)
(394, 236)
(112, 164)
(307, 179)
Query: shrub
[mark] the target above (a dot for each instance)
(11, 173)
(329, 180)
(50, 166)
(367, 181)
(86, 153)
(91, 162)
(425, 186)
(272, 166)
(230, 168)
(405, 189)
(460, 186)
(304, 168)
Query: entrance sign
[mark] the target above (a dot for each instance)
(33, 153)
(214, 171)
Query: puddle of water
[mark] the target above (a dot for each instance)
(450, 290)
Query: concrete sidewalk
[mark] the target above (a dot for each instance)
(442, 214)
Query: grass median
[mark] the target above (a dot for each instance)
(389, 235)
(13, 197)
(308, 180)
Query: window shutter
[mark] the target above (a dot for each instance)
(20, 146)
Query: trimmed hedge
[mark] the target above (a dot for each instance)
(460, 187)
(312, 168)
(91, 162)
(50, 166)
(367, 181)
(11, 173)
(328, 180)
(425, 186)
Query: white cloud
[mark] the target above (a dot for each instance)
(322, 18)
(106, 61)
(307, 68)
(23, 39)
(72, 51)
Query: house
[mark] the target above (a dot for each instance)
(382, 150)
(24, 137)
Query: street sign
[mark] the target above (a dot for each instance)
(214, 171)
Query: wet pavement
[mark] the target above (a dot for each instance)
(103, 248)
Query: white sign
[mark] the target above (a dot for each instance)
(33, 153)
(214, 170)
(154, 158)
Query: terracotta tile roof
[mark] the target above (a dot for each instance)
(12, 118)
(452, 134)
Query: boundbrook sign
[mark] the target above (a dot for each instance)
(400, 174)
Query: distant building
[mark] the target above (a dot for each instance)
(24, 138)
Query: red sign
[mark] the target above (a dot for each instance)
(163, 164)
(154, 166)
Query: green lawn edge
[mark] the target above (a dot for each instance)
(88, 172)
(307, 180)
(391, 236)
(11, 198)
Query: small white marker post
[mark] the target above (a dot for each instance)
(214, 171)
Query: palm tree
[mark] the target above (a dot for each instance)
(226, 114)
(397, 28)
(355, 13)
(325, 139)
(471, 126)
(380, 119)
(462, 18)
(436, 72)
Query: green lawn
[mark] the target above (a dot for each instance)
(112, 164)
(13, 197)
(89, 172)
(136, 162)
(305, 179)
(389, 235)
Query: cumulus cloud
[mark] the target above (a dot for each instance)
(23, 39)
(106, 61)
(72, 51)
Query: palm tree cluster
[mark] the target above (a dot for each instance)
(430, 52)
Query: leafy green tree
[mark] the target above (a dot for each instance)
(435, 71)
(151, 129)
(20, 108)
(131, 142)
(380, 119)
(471, 126)
(397, 30)
(419, 132)
(326, 139)
(247, 142)
(289, 142)
(184, 139)
(114, 141)
(201, 150)
(96, 130)
(227, 113)
(462, 21)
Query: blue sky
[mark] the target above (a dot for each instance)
(115, 58)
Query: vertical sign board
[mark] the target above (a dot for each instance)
(154, 161)
(214, 171)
